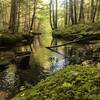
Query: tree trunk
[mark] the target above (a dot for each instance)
(56, 16)
(95, 10)
(75, 13)
(71, 11)
(66, 13)
(53, 13)
(13, 16)
(18, 18)
(98, 11)
(81, 14)
(51, 22)
(92, 10)
(33, 17)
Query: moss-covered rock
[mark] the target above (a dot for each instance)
(72, 83)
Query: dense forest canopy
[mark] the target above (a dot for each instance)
(19, 14)
(26, 15)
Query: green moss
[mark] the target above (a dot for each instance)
(78, 30)
(7, 40)
(72, 83)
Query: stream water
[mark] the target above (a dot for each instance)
(57, 62)
(56, 66)
(10, 79)
(8, 76)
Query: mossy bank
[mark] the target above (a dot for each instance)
(71, 83)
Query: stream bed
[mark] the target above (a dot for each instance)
(12, 77)
(9, 81)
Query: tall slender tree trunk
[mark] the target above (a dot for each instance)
(95, 10)
(29, 17)
(71, 11)
(88, 11)
(13, 16)
(18, 18)
(66, 13)
(2, 15)
(51, 21)
(98, 11)
(75, 13)
(56, 15)
(92, 10)
(33, 16)
(81, 14)
(53, 13)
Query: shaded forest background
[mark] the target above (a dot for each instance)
(33, 15)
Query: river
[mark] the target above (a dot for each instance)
(10, 76)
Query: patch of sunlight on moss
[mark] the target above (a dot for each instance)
(66, 85)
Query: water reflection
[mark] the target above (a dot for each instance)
(57, 62)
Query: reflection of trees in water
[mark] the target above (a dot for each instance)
(77, 54)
